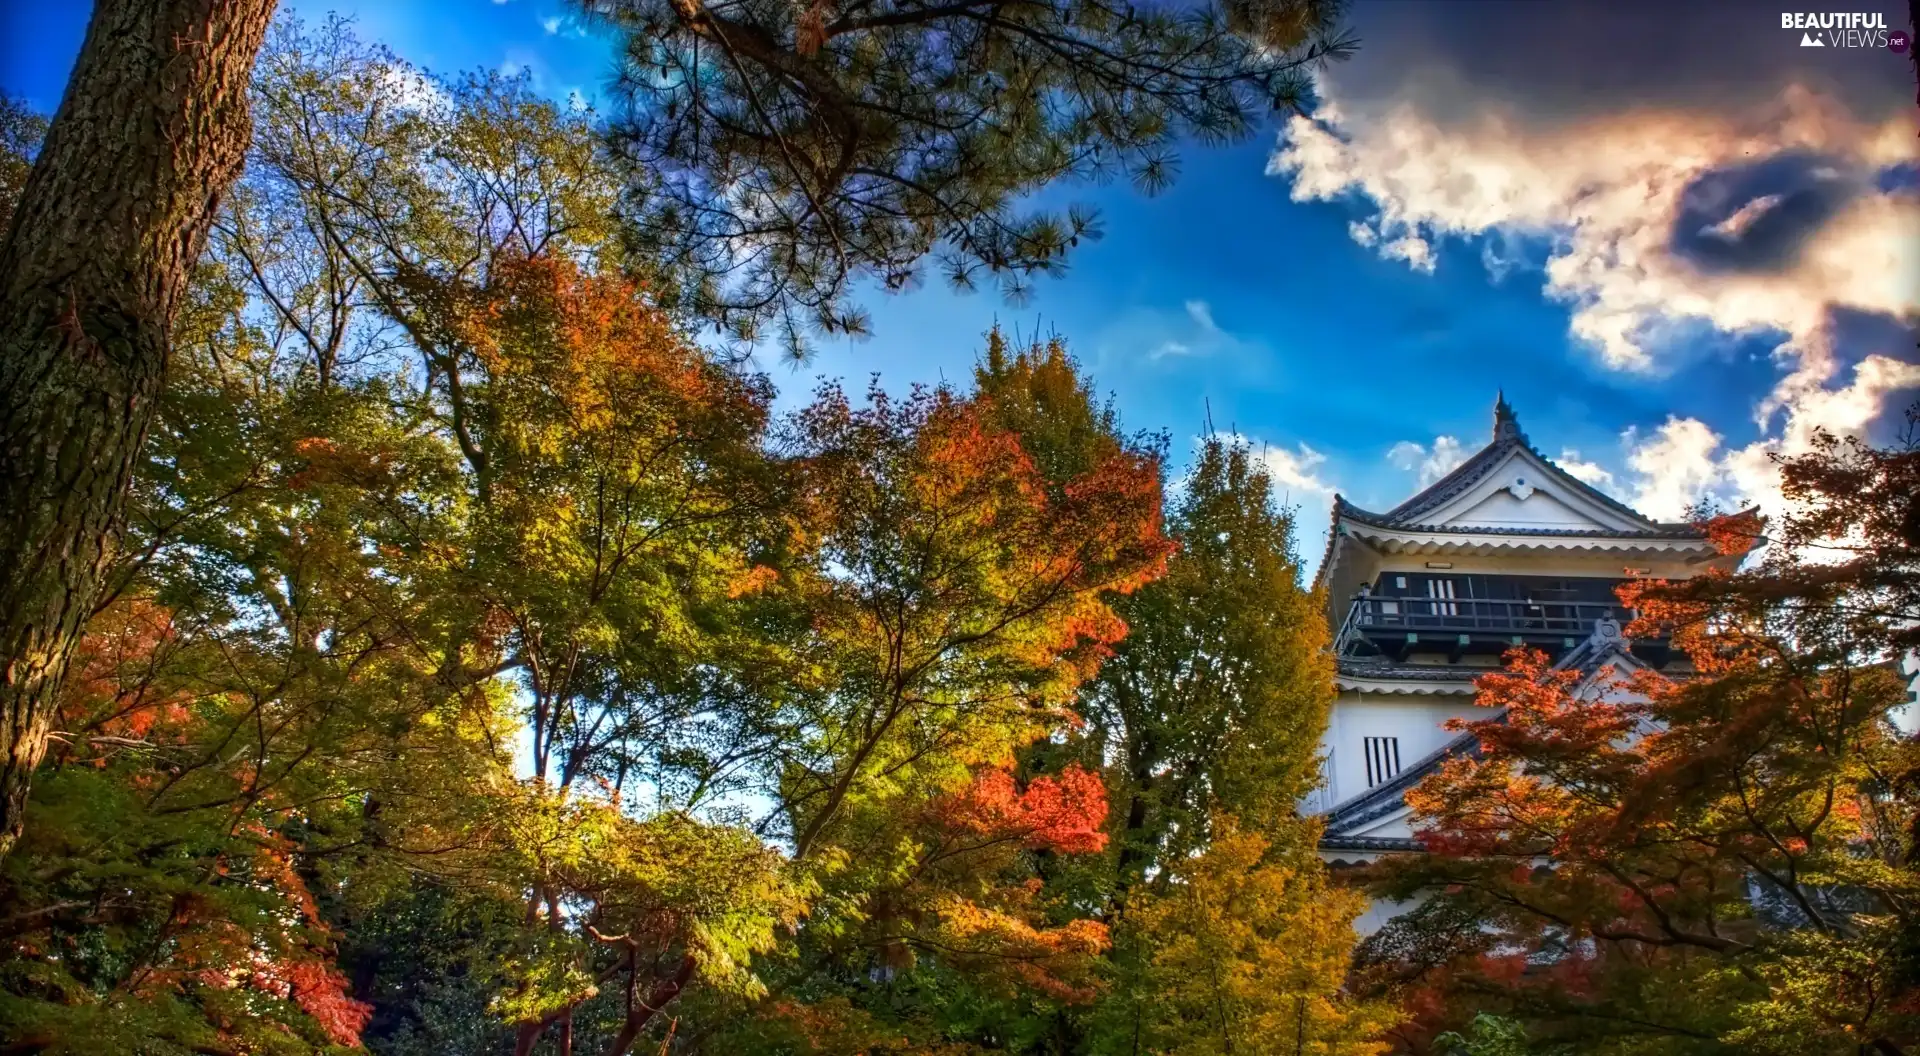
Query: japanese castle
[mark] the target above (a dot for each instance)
(1508, 549)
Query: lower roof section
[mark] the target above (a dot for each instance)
(1371, 675)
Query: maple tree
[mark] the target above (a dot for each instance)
(1728, 855)
(487, 667)
(963, 554)
(956, 599)
(351, 537)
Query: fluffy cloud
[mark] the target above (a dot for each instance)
(1674, 468)
(1607, 194)
(1592, 473)
(1685, 461)
(1295, 470)
(1665, 199)
(1428, 463)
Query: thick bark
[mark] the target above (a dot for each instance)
(152, 131)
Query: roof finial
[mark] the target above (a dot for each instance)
(1506, 426)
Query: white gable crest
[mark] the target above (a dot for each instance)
(1525, 492)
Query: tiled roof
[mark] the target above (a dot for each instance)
(1363, 667)
(1368, 843)
(1384, 799)
(1507, 437)
(1342, 507)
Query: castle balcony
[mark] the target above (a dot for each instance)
(1398, 627)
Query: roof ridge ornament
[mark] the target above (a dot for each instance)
(1506, 425)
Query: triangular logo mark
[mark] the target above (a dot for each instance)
(1808, 40)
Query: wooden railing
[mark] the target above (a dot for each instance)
(1479, 614)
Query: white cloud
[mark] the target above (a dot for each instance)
(1685, 461)
(1167, 334)
(1202, 316)
(1592, 473)
(1673, 469)
(552, 25)
(1606, 191)
(1603, 195)
(1295, 470)
(1416, 251)
(1429, 463)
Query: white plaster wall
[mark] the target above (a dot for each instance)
(1538, 510)
(1416, 720)
(1379, 911)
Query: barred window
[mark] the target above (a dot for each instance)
(1383, 759)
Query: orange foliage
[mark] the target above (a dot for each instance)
(752, 581)
(576, 329)
(113, 688)
(1037, 957)
(1065, 813)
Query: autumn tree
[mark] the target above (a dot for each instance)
(782, 154)
(960, 576)
(392, 482)
(248, 716)
(487, 667)
(1242, 948)
(1728, 854)
(1217, 699)
(956, 601)
(1227, 936)
(97, 253)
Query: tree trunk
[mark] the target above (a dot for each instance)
(152, 131)
(659, 995)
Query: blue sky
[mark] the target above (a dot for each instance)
(1678, 244)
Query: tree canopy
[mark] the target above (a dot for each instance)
(779, 154)
(490, 668)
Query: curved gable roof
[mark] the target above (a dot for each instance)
(1507, 438)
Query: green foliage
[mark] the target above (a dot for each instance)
(488, 669)
(1216, 700)
(20, 133)
(1487, 1035)
(781, 153)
